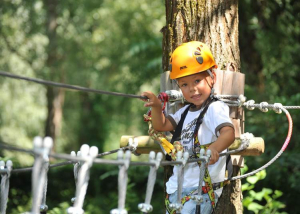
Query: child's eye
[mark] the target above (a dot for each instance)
(197, 81)
(183, 85)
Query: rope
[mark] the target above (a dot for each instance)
(58, 156)
(278, 108)
(67, 86)
(41, 165)
(73, 159)
(287, 140)
(5, 184)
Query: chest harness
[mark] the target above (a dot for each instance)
(209, 186)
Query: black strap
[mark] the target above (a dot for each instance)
(201, 116)
(229, 167)
(177, 133)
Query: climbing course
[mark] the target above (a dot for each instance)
(84, 159)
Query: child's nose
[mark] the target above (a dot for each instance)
(192, 88)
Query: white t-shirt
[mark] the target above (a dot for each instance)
(216, 117)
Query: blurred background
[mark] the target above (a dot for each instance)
(117, 46)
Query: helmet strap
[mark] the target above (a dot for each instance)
(212, 93)
(210, 73)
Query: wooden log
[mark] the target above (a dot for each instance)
(146, 144)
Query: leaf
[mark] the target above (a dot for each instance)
(247, 201)
(277, 194)
(247, 186)
(252, 179)
(255, 207)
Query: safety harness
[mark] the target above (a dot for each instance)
(209, 186)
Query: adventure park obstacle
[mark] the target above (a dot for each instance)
(246, 144)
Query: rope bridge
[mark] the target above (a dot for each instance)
(87, 156)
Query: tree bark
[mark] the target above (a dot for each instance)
(214, 22)
(55, 96)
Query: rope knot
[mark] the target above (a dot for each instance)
(241, 100)
(250, 104)
(263, 106)
(277, 108)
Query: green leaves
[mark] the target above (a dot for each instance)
(264, 201)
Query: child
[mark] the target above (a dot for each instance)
(192, 66)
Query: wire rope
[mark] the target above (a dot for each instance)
(287, 140)
(67, 86)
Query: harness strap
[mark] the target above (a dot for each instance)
(176, 137)
(209, 186)
(207, 178)
(187, 197)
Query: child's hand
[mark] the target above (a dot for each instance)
(214, 155)
(152, 101)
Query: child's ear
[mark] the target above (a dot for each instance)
(214, 79)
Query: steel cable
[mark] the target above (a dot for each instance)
(287, 140)
(67, 86)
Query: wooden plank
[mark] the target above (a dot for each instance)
(219, 81)
(227, 82)
(237, 127)
(238, 83)
(237, 160)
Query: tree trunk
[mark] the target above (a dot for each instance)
(55, 96)
(214, 22)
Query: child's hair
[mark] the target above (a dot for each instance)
(191, 58)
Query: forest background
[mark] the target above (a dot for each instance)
(117, 46)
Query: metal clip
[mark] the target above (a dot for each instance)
(174, 95)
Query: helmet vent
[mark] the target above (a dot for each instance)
(197, 53)
(199, 59)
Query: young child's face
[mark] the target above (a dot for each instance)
(196, 88)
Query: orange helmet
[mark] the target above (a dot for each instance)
(191, 58)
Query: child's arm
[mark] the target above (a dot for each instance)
(159, 121)
(224, 140)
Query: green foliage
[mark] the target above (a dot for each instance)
(264, 201)
(116, 46)
(269, 43)
(106, 45)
